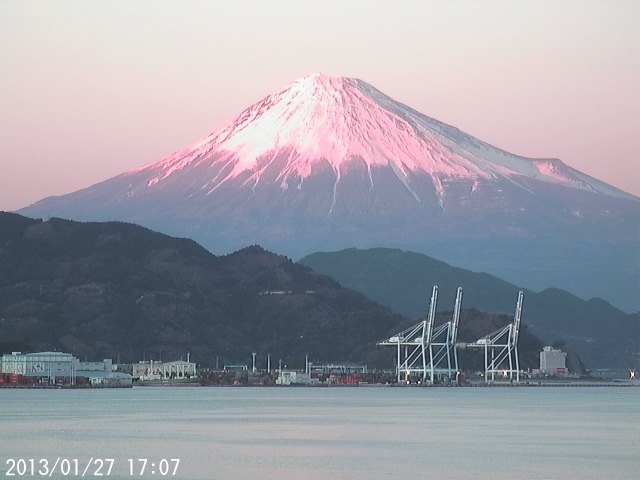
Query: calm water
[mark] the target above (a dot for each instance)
(329, 433)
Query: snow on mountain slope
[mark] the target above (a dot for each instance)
(330, 163)
(338, 120)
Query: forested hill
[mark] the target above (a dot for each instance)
(603, 335)
(117, 290)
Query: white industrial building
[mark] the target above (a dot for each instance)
(49, 367)
(39, 364)
(150, 370)
(552, 361)
(328, 368)
(109, 379)
(291, 377)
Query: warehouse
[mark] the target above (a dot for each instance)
(51, 364)
(151, 370)
(59, 368)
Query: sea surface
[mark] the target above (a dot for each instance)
(303, 433)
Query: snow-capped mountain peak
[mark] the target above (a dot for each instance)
(322, 120)
(331, 162)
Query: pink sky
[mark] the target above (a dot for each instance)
(91, 89)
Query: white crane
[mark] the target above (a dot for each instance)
(503, 345)
(424, 351)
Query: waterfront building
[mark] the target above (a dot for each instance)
(109, 379)
(292, 377)
(60, 368)
(552, 361)
(152, 370)
(39, 364)
(332, 368)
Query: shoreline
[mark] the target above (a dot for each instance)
(475, 383)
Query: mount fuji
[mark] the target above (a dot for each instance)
(331, 162)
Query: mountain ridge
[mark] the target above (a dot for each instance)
(118, 290)
(328, 118)
(330, 162)
(400, 280)
(115, 289)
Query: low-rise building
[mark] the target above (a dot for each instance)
(152, 370)
(109, 379)
(291, 377)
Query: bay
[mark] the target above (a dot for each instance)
(326, 433)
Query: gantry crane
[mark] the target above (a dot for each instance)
(424, 351)
(502, 347)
